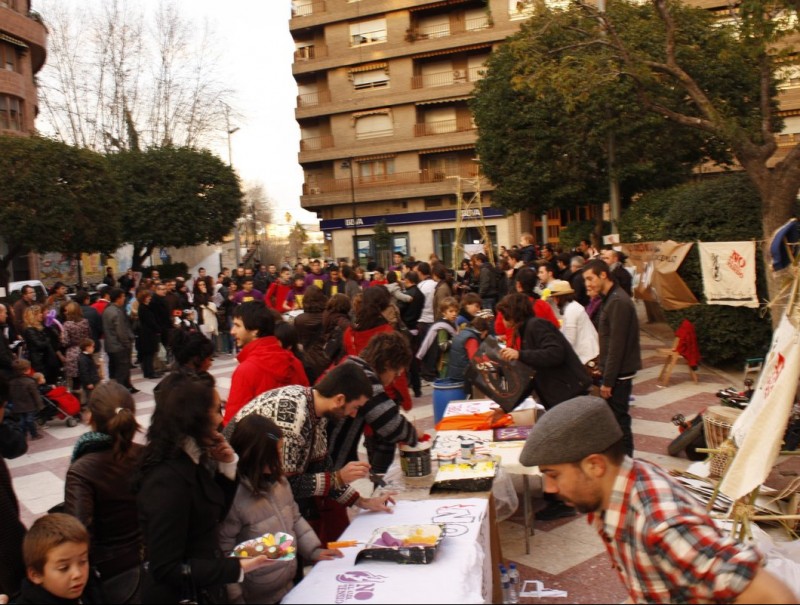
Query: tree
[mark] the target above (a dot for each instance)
(545, 146)
(116, 79)
(297, 239)
(382, 238)
(55, 198)
(175, 197)
(719, 79)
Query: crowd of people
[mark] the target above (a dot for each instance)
(326, 355)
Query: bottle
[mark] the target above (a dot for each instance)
(513, 583)
(504, 582)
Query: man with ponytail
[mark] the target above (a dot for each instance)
(99, 490)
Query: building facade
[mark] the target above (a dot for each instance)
(23, 49)
(386, 132)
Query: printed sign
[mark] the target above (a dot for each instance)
(729, 273)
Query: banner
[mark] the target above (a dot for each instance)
(729, 273)
(759, 431)
(655, 277)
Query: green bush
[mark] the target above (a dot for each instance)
(571, 235)
(724, 208)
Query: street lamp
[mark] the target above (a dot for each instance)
(236, 243)
(349, 164)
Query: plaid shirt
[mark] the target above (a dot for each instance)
(664, 545)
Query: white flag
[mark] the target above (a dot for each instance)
(729, 273)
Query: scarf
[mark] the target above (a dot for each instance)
(92, 441)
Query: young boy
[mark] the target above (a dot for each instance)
(294, 299)
(56, 554)
(87, 368)
(439, 337)
(24, 394)
(470, 306)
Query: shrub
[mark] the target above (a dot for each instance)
(724, 208)
(571, 235)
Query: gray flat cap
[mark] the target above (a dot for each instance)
(571, 431)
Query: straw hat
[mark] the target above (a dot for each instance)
(559, 287)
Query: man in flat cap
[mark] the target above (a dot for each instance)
(660, 539)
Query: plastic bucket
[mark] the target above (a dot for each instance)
(416, 461)
(445, 390)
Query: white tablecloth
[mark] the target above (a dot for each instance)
(460, 573)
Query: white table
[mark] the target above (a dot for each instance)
(460, 573)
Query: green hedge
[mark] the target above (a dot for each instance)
(718, 209)
(571, 235)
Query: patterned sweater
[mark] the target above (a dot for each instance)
(305, 458)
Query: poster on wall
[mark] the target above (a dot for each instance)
(729, 273)
(656, 273)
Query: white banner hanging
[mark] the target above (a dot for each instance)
(729, 273)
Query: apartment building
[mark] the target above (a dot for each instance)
(386, 132)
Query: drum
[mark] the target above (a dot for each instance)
(717, 423)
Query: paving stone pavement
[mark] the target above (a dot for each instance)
(565, 554)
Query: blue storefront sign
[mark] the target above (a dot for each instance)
(410, 218)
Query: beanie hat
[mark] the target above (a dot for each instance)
(571, 431)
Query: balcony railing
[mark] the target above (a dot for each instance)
(315, 143)
(448, 78)
(312, 99)
(309, 53)
(442, 30)
(443, 127)
(418, 177)
(379, 35)
(303, 9)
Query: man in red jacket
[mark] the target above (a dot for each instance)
(263, 363)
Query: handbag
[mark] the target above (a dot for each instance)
(124, 587)
(506, 383)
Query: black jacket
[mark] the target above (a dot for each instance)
(560, 375)
(6, 356)
(411, 311)
(12, 570)
(180, 507)
(620, 353)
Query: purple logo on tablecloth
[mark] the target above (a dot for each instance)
(358, 585)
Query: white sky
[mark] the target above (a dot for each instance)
(256, 53)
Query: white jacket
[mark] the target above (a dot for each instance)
(580, 331)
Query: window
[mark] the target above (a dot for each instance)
(9, 57)
(301, 8)
(374, 125)
(10, 113)
(434, 26)
(440, 120)
(520, 9)
(371, 171)
(368, 32)
(374, 78)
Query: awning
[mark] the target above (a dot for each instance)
(416, 9)
(448, 100)
(373, 158)
(371, 112)
(452, 51)
(367, 67)
(446, 149)
(12, 40)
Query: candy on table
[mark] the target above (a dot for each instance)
(278, 546)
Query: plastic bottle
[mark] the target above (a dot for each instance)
(506, 584)
(513, 582)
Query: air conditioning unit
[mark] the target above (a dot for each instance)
(314, 190)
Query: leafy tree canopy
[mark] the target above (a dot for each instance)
(557, 89)
(55, 198)
(175, 196)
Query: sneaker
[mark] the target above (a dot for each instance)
(555, 510)
(417, 394)
(133, 390)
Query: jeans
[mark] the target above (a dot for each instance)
(27, 422)
(620, 404)
(119, 367)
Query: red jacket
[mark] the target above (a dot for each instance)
(100, 304)
(541, 309)
(263, 365)
(356, 341)
(276, 295)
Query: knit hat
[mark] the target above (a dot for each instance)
(571, 431)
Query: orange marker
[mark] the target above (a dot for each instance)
(343, 544)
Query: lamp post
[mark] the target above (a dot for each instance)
(236, 243)
(349, 164)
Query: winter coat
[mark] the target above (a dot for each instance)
(263, 365)
(87, 370)
(99, 492)
(251, 516)
(41, 353)
(149, 331)
(116, 330)
(24, 394)
(71, 336)
(620, 353)
(441, 292)
(12, 445)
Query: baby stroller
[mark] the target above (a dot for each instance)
(59, 403)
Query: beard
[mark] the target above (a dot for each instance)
(334, 415)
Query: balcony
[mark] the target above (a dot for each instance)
(316, 143)
(444, 126)
(304, 9)
(312, 99)
(448, 78)
(431, 32)
(417, 177)
(311, 52)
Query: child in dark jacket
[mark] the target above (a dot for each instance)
(87, 368)
(24, 395)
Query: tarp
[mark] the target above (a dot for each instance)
(729, 273)
(758, 431)
(656, 278)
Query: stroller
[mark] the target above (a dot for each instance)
(59, 403)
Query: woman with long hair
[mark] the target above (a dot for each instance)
(264, 503)
(76, 329)
(206, 310)
(308, 327)
(99, 490)
(335, 321)
(185, 489)
(42, 354)
(148, 337)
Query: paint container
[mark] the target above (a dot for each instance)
(467, 449)
(416, 461)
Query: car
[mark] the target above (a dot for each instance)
(15, 290)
